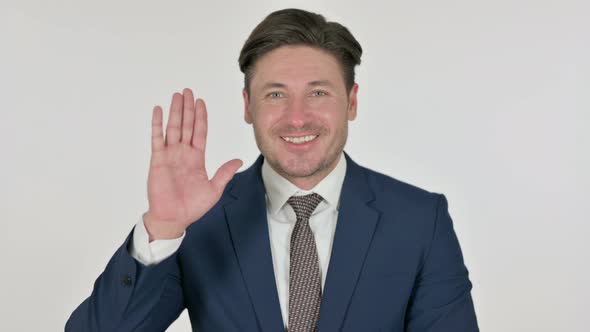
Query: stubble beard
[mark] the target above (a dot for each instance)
(302, 167)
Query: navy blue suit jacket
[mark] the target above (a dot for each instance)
(396, 265)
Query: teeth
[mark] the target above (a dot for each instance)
(299, 140)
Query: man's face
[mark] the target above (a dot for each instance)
(299, 108)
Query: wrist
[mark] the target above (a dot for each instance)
(160, 229)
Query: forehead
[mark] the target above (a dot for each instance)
(296, 65)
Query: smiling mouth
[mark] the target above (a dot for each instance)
(299, 140)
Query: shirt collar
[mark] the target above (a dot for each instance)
(279, 189)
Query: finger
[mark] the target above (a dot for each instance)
(174, 120)
(188, 117)
(157, 134)
(225, 173)
(200, 129)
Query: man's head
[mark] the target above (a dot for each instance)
(299, 84)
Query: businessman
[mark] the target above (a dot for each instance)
(305, 239)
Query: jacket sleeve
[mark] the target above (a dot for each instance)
(129, 296)
(441, 299)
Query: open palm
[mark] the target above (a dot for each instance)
(179, 190)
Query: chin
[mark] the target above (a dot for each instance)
(301, 168)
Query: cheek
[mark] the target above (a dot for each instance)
(266, 121)
(262, 112)
(334, 118)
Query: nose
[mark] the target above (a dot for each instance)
(296, 112)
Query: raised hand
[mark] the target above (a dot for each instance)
(179, 190)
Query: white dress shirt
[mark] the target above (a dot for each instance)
(281, 221)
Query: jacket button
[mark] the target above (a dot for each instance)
(127, 281)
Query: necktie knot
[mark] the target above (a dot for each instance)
(304, 205)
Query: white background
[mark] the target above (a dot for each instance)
(484, 101)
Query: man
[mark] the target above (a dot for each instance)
(305, 239)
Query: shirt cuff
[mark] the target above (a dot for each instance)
(150, 253)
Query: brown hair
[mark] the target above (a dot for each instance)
(300, 27)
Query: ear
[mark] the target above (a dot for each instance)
(352, 102)
(247, 114)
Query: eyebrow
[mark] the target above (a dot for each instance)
(271, 85)
(321, 83)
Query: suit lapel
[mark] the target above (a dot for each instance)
(247, 222)
(354, 231)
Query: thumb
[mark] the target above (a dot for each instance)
(225, 173)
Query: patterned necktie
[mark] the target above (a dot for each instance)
(305, 289)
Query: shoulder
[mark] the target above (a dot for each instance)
(406, 209)
(400, 201)
(387, 187)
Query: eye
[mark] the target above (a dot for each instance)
(275, 95)
(318, 93)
